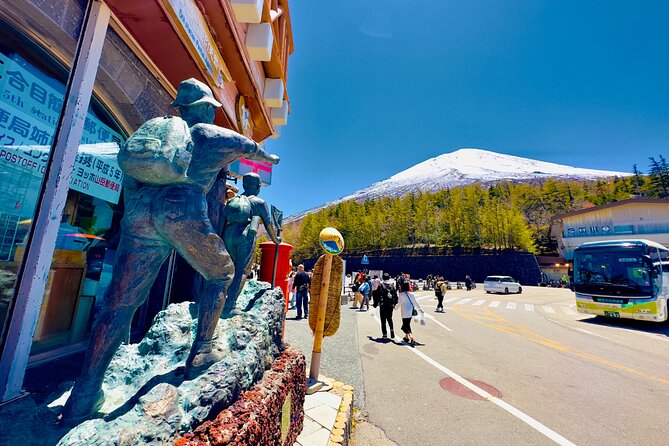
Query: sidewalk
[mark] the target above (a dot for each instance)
(327, 416)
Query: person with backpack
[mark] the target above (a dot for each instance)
(385, 298)
(357, 297)
(439, 291)
(301, 284)
(468, 282)
(365, 289)
(169, 165)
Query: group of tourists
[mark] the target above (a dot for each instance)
(386, 296)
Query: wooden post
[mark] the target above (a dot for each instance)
(313, 385)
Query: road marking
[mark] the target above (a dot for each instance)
(494, 304)
(511, 306)
(568, 310)
(495, 321)
(559, 439)
(464, 301)
(450, 299)
(479, 302)
(429, 316)
(548, 309)
(529, 307)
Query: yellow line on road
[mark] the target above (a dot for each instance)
(493, 320)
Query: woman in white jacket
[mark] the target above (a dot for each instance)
(408, 303)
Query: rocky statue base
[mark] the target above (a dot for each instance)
(149, 400)
(270, 413)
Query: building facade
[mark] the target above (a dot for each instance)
(628, 219)
(77, 78)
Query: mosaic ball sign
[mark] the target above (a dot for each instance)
(331, 241)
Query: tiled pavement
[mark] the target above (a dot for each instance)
(320, 414)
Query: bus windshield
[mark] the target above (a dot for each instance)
(615, 271)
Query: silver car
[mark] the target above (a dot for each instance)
(501, 284)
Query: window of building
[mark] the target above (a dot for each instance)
(623, 229)
(33, 88)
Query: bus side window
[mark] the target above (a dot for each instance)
(664, 260)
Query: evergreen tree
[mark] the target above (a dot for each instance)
(659, 177)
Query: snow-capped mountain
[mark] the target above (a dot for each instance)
(468, 166)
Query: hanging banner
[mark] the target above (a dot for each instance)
(243, 166)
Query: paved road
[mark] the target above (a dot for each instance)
(559, 377)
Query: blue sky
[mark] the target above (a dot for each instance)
(377, 86)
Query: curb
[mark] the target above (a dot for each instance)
(341, 431)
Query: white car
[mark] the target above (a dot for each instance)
(501, 284)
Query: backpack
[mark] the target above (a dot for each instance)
(386, 297)
(159, 152)
(437, 290)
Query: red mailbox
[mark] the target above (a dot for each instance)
(267, 250)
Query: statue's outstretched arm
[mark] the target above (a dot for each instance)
(262, 211)
(215, 138)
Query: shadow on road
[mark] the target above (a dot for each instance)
(660, 328)
(381, 340)
(391, 341)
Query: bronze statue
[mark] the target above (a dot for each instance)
(166, 209)
(240, 220)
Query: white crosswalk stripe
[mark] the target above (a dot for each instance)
(509, 305)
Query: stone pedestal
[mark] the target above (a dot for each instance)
(270, 413)
(149, 401)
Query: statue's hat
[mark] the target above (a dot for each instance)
(193, 92)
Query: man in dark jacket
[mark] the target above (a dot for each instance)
(385, 297)
(301, 284)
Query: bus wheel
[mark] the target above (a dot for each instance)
(506, 291)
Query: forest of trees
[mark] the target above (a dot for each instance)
(500, 216)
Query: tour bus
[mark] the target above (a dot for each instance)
(622, 279)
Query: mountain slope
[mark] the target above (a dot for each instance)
(468, 166)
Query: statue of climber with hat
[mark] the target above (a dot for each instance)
(170, 164)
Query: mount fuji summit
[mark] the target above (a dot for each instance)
(469, 166)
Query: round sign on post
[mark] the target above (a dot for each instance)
(331, 241)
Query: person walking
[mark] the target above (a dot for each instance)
(409, 307)
(301, 284)
(357, 297)
(385, 297)
(291, 295)
(375, 284)
(365, 289)
(439, 291)
(468, 282)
